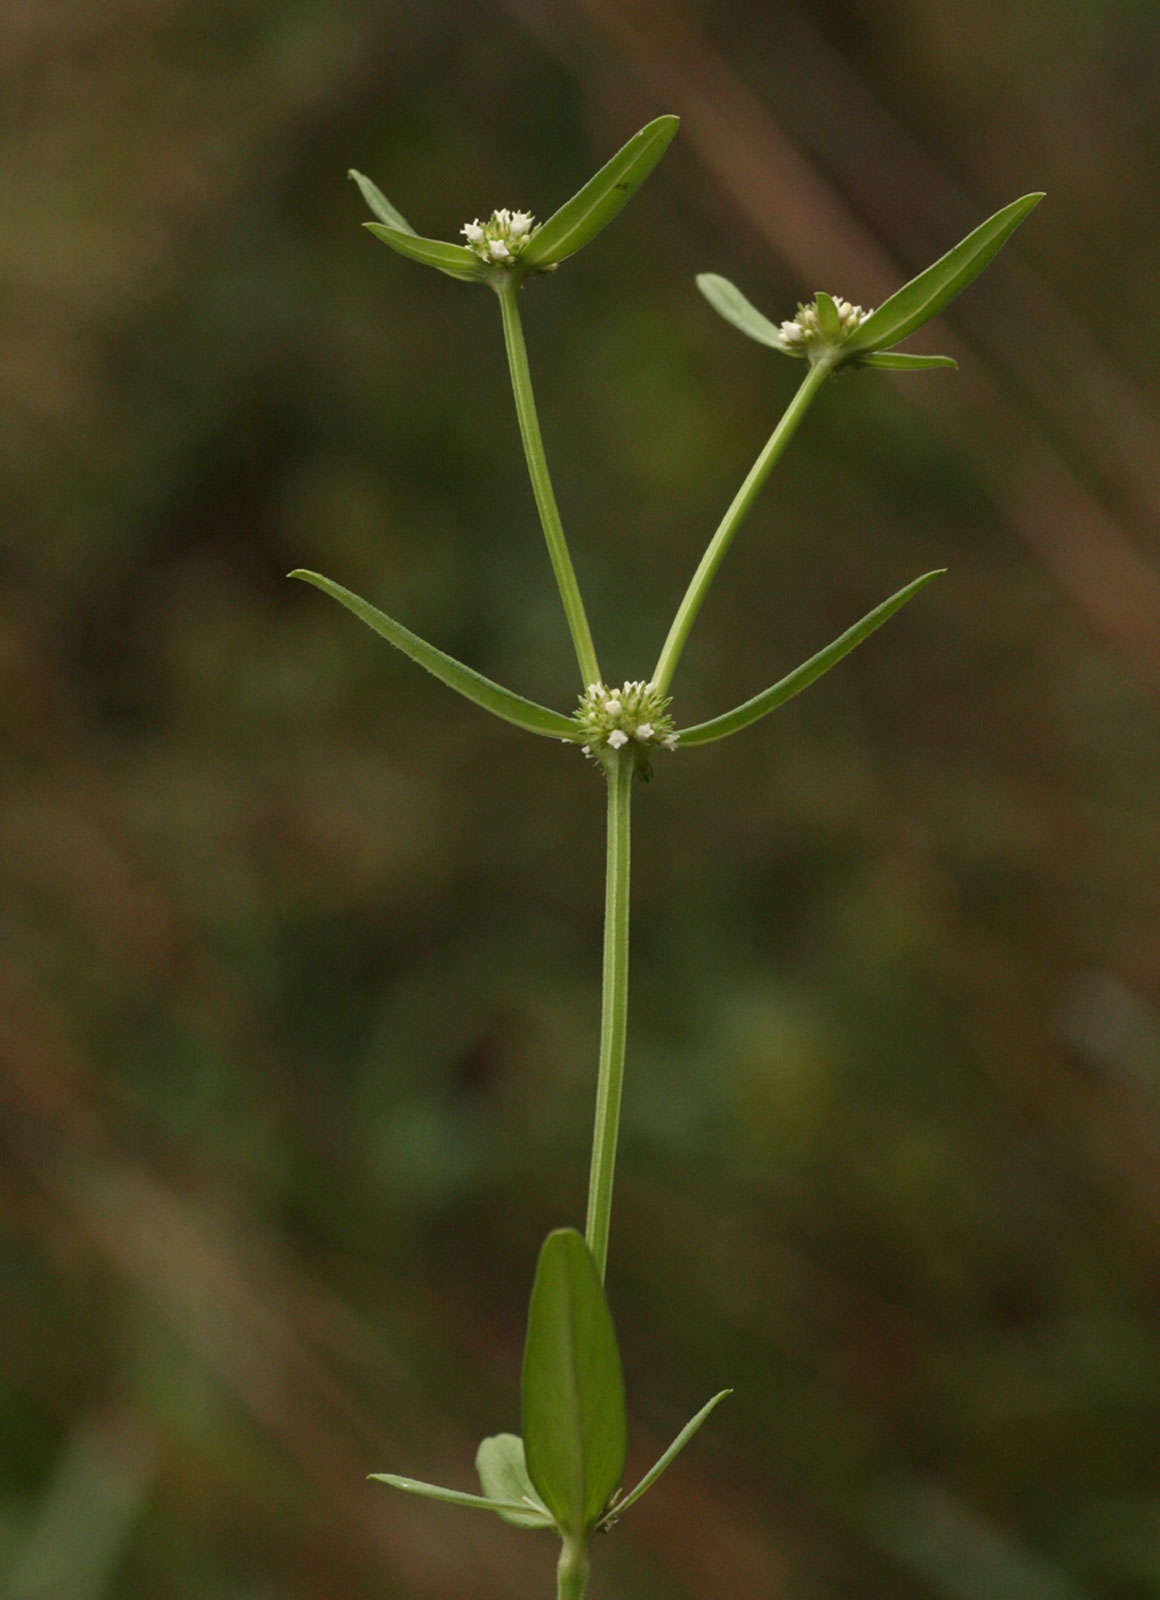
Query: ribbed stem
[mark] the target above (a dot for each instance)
(529, 421)
(614, 1012)
(730, 522)
(572, 1570)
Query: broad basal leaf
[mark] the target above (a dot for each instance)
(575, 1434)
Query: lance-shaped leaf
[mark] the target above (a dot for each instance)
(924, 296)
(452, 1497)
(465, 680)
(503, 1473)
(899, 361)
(809, 671)
(664, 1462)
(728, 301)
(602, 197)
(454, 259)
(379, 204)
(575, 1433)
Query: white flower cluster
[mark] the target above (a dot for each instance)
(636, 713)
(502, 238)
(804, 332)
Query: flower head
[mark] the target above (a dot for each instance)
(821, 325)
(636, 714)
(832, 333)
(511, 239)
(502, 238)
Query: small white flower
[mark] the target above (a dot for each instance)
(501, 240)
(803, 335)
(613, 706)
(644, 731)
(617, 738)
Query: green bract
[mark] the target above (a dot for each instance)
(832, 332)
(508, 240)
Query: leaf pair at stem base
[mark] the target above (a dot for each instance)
(565, 1471)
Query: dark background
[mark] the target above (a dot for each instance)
(299, 975)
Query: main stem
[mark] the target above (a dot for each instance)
(730, 522)
(614, 1013)
(517, 355)
(572, 1570)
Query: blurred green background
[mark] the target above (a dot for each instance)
(299, 976)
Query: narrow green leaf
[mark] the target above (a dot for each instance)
(379, 204)
(728, 301)
(575, 1433)
(466, 681)
(503, 1472)
(801, 677)
(828, 319)
(898, 361)
(667, 1459)
(912, 305)
(602, 197)
(453, 1497)
(454, 259)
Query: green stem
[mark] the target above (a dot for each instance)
(614, 1013)
(572, 1570)
(517, 354)
(730, 522)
